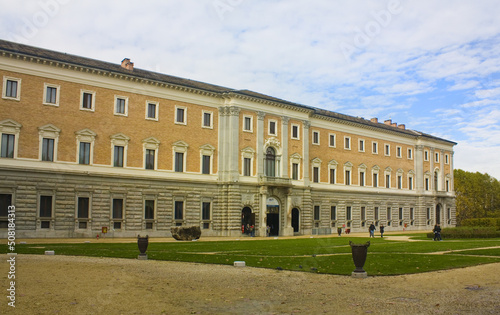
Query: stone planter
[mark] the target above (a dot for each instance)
(142, 243)
(359, 253)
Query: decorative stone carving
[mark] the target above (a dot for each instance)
(261, 115)
(186, 233)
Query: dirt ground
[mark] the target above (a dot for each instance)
(85, 285)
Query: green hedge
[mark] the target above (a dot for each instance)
(495, 222)
(468, 232)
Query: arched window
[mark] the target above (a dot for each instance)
(270, 162)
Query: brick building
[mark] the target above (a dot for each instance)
(87, 144)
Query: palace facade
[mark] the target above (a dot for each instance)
(87, 145)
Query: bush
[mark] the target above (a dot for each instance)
(468, 232)
(478, 222)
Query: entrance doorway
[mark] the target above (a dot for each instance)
(295, 220)
(273, 222)
(247, 220)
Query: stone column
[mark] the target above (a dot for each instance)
(419, 168)
(452, 174)
(306, 125)
(284, 141)
(233, 135)
(443, 177)
(431, 162)
(287, 208)
(260, 143)
(223, 145)
(263, 211)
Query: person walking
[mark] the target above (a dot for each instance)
(372, 230)
(381, 230)
(437, 232)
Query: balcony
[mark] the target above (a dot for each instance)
(275, 181)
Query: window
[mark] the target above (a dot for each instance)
(205, 169)
(333, 213)
(348, 213)
(347, 143)
(387, 181)
(121, 105)
(412, 214)
(374, 147)
(410, 154)
(361, 178)
(150, 159)
(389, 214)
(270, 162)
(446, 159)
(400, 213)
(331, 141)
(117, 209)
(361, 145)
(51, 94)
(295, 171)
(83, 212)
(84, 156)
(437, 157)
(11, 88)
(45, 206)
(247, 123)
(207, 120)
(447, 185)
(149, 209)
(375, 213)
(387, 151)
(410, 183)
(247, 167)
(347, 177)
(315, 139)
(87, 101)
(152, 110)
(179, 210)
(363, 213)
(8, 142)
(399, 153)
(48, 149)
(295, 132)
(118, 156)
(180, 115)
(316, 174)
(5, 203)
(272, 128)
(400, 182)
(375, 179)
(316, 213)
(332, 176)
(205, 211)
(179, 162)
(426, 155)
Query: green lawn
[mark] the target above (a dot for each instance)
(319, 255)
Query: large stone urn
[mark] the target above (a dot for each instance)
(359, 253)
(142, 243)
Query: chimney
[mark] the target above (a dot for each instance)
(127, 64)
(394, 125)
(388, 122)
(402, 126)
(374, 120)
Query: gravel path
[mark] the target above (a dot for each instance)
(85, 285)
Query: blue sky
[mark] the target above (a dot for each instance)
(431, 65)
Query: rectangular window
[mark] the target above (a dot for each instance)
(150, 159)
(149, 209)
(399, 152)
(361, 178)
(332, 141)
(315, 137)
(295, 132)
(83, 207)
(118, 156)
(375, 180)
(207, 119)
(87, 100)
(348, 213)
(412, 214)
(205, 164)
(247, 123)
(295, 171)
(84, 153)
(400, 182)
(118, 209)
(363, 213)
(374, 147)
(362, 145)
(446, 159)
(205, 211)
(11, 89)
(45, 206)
(347, 177)
(8, 141)
(387, 181)
(5, 203)
(347, 143)
(120, 106)
(247, 166)
(389, 214)
(179, 115)
(51, 95)
(272, 127)
(426, 155)
(48, 149)
(375, 213)
(332, 176)
(387, 150)
(410, 154)
(437, 157)
(447, 185)
(316, 213)
(333, 213)
(316, 174)
(426, 184)
(400, 213)
(179, 162)
(152, 111)
(179, 210)
(428, 213)
(410, 183)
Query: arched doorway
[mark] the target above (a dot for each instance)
(247, 220)
(438, 214)
(295, 220)
(273, 217)
(270, 162)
